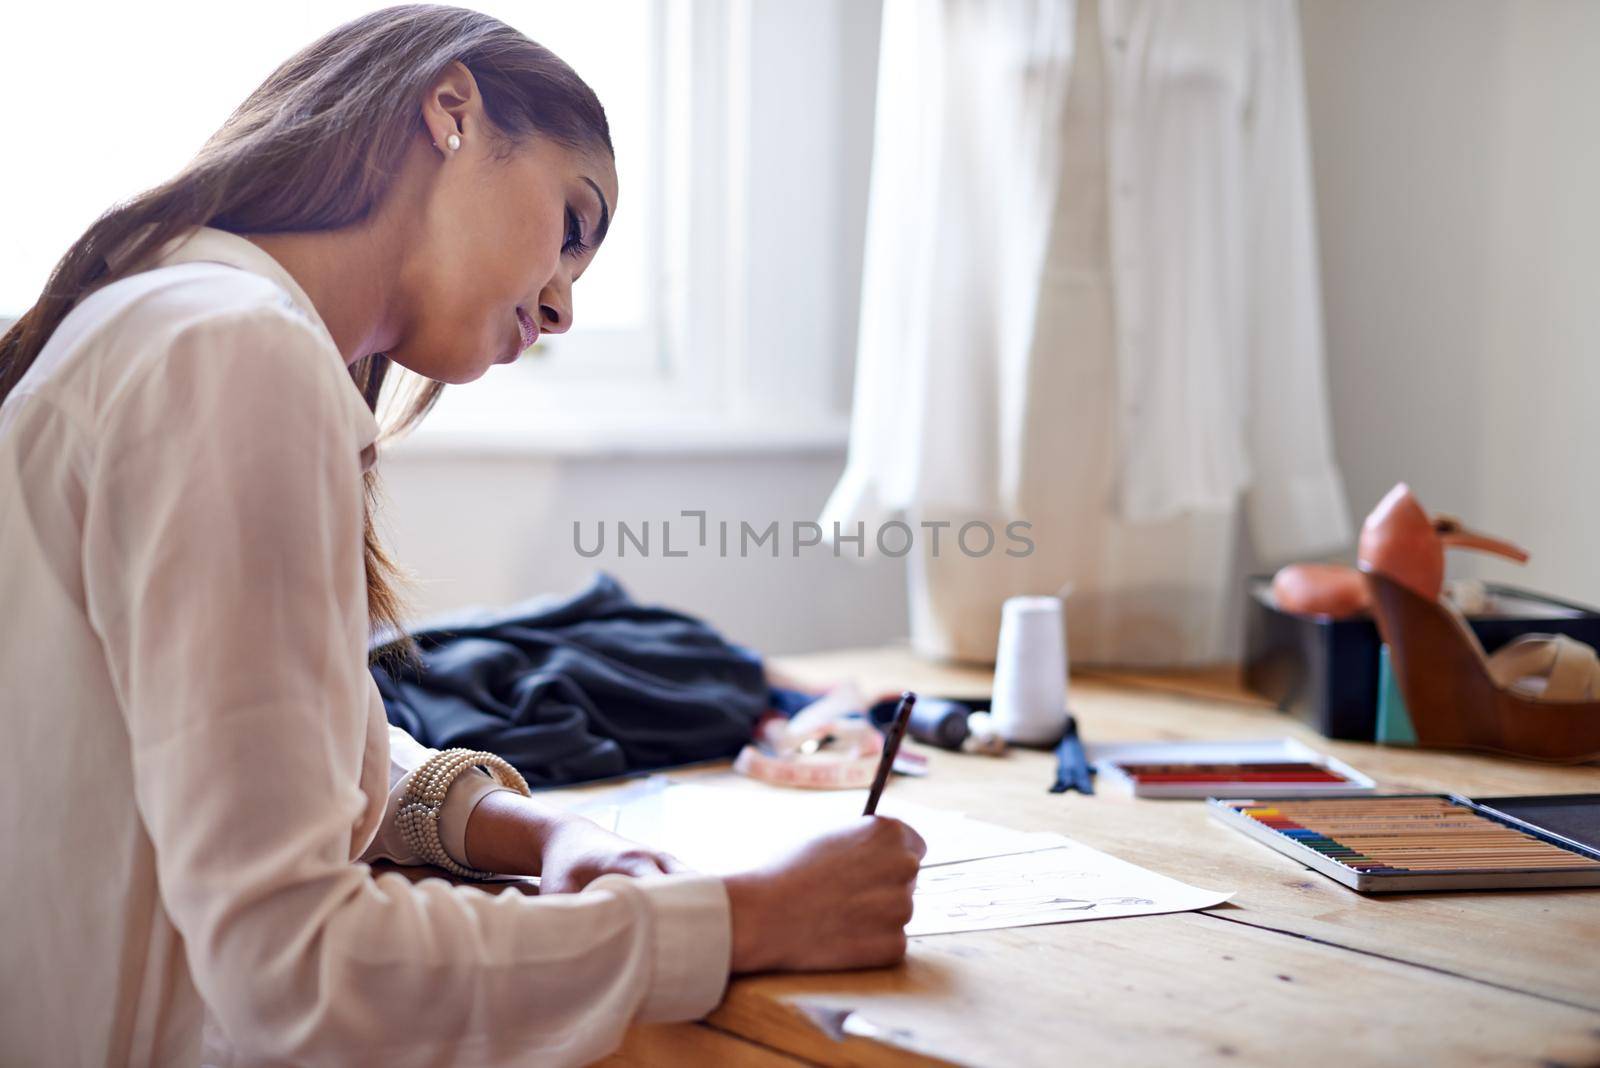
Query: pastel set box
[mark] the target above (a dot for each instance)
(1325, 671)
(1379, 843)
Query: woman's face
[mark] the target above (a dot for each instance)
(504, 231)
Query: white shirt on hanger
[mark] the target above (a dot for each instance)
(1090, 300)
(181, 567)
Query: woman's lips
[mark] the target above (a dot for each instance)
(530, 330)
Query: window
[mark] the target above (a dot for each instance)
(725, 293)
(154, 80)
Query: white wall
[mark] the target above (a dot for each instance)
(1457, 156)
(1457, 163)
(495, 530)
(496, 527)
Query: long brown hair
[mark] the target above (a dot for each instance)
(315, 148)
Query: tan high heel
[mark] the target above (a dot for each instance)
(1449, 685)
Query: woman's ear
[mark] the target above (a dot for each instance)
(452, 109)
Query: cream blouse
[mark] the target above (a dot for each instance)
(182, 582)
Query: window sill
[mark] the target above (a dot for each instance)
(638, 439)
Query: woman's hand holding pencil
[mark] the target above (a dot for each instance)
(841, 900)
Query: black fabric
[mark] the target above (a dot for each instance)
(586, 688)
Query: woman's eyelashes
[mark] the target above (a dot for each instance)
(574, 245)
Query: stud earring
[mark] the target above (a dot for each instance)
(454, 141)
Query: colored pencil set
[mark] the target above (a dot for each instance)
(1281, 766)
(1417, 842)
(1255, 772)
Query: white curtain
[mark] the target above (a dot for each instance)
(1090, 301)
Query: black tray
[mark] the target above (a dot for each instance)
(1325, 671)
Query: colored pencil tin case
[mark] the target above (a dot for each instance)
(1397, 843)
(1199, 770)
(1325, 671)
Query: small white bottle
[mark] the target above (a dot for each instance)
(1030, 672)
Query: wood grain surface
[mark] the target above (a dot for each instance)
(1294, 969)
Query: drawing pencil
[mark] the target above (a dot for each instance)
(891, 746)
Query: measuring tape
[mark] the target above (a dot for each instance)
(828, 745)
(848, 767)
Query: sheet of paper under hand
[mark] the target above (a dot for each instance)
(976, 875)
(1060, 885)
(727, 829)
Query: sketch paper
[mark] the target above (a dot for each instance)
(976, 876)
(727, 829)
(1062, 885)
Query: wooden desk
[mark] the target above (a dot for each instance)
(1296, 969)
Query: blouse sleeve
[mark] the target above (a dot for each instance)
(223, 573)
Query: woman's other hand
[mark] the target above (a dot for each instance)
(578, 851)
(514, 835)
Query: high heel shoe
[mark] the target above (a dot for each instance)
(1457, 696)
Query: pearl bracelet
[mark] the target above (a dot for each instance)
(424, 799)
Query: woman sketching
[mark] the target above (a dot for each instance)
(201, 765)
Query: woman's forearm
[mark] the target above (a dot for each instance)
(507, 832)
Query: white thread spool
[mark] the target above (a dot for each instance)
(1030, 672)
